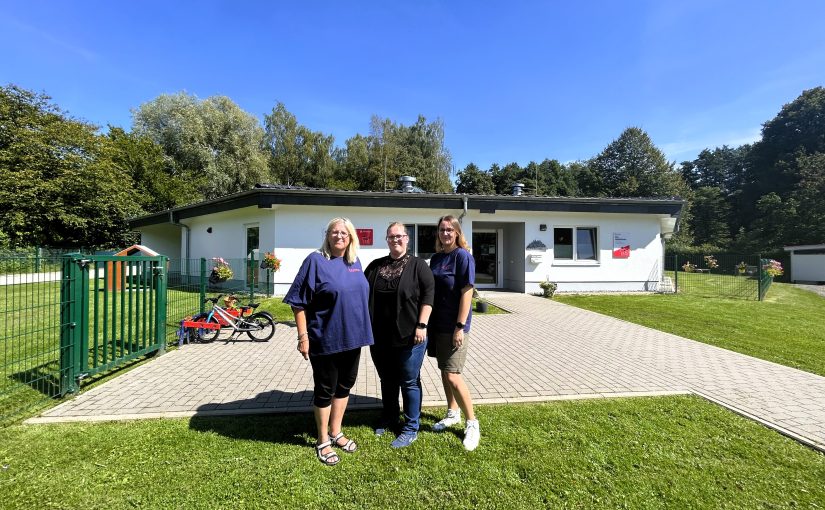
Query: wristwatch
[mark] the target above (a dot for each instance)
(459, 325)
(421, 325)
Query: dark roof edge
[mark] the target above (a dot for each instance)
(266, 197)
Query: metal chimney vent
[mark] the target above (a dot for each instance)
(518, 189)
(406, 182)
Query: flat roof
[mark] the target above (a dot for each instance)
(266, 196)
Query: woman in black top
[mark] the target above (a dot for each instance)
(400, 302)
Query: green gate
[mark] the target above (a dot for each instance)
(113, 309)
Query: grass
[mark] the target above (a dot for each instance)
(666, 452)
(786, 328)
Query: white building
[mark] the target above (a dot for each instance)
(518, 241)
(807, 263)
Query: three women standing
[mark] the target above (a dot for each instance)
(330, 300)
(453, 268)
(400, 302)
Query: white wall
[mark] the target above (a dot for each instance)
(808, 267)
(637, 273)
(295, 231)
(165, 239)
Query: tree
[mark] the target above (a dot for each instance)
(723, 167)
(809, 225)
(556, 180)
(59, 185)
(473, 180)
(157, 186)
(631, 166)
(298, 156)
(213, 143)
(504, 178)
(773, 226)
(709, 218)
(798, 129)
(417, 150)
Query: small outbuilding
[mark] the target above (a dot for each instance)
(807, 263)
(113, 270)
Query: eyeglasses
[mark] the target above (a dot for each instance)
(396, 238)
(342, 235)
(446, 230)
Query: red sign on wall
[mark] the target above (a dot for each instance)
(621, 246)
(364, 236)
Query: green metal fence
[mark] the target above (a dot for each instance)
(113, 311)
(77, 316)
(30, 371)
(719, 275)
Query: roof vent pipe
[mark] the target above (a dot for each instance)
(518, 189)
(406, 182)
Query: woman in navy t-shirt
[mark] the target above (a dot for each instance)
(329, 298)
(454, 272)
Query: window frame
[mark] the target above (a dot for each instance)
(575, 260)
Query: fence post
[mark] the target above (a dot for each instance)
(759, 295)
(160, 303)
(251, 273)
(38, 253)
(73, 323)
(676, 273)
(202, 285)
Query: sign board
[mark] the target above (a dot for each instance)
(621, 245)
(364, 236)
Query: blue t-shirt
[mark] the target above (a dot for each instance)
(452, 272)
(335, 297)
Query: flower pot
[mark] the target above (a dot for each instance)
(481, 306)
(214, 278)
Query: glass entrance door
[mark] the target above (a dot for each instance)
(487, 255)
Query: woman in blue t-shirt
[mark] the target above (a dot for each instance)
(454, 271)
(329, 298)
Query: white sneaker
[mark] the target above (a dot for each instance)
(453, 418)
(471, 435)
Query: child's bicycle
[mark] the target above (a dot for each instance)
(258, 326)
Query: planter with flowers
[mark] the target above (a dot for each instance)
(270, 262)
(772, 268)
(220, 271)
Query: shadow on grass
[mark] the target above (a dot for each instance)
(289, 427)
(43, 378)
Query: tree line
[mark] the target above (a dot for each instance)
(753, 198)
(66, 182)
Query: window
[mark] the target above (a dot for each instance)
(575, 243)
(253, 236)
(425, 241)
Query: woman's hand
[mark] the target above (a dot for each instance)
(458, 338)
(303, 347)
(420, 335)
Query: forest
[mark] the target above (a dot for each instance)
(65, 182)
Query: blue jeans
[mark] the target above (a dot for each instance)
(399, 369)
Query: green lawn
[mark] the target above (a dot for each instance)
(668, 452)
(788, 327)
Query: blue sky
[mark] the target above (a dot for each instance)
(514, 81)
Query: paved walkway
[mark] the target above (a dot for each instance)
(543, 351)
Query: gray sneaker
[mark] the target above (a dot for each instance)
(453, 418)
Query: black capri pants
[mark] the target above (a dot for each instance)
(334, 375)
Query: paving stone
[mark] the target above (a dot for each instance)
(543, 351)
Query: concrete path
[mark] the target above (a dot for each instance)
(542, 351)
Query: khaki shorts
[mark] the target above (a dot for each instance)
(449, 358)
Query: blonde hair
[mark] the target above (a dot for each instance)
(460, 241)
(351, 252)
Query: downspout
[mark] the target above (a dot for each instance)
(464, 213)
(188, 232)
